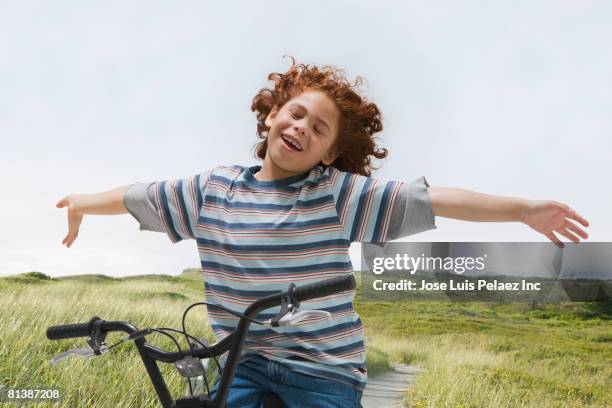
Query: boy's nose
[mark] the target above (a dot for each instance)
(299, 130)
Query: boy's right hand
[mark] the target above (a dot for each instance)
(74, 218)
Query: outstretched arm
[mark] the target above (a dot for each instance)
(106, 203)
(544, 216)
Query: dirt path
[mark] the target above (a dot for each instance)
(387, 390)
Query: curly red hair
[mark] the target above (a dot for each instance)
(359, 118)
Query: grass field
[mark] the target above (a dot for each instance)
(475, 354)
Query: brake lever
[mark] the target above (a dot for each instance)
(85, 352)
(293, 318)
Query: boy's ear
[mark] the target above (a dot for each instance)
(330, 157)
(271, 116)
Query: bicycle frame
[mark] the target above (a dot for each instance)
(234, 342)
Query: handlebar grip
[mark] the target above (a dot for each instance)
(324, 288)
(69, 331)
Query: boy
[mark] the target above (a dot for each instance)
(292, 219)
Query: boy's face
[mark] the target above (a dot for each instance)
(310, 120)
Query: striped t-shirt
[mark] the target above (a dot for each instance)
(255, 237)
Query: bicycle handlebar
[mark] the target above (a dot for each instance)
(232, 342)
(301, 293)
(324, 288)
(69, 331)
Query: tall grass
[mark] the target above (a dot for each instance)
(487, 355)
(474, 354)
(117, 379)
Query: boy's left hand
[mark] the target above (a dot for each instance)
(548, 216)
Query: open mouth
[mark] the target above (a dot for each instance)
(289, 144)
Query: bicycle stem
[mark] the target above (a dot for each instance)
(238, 343)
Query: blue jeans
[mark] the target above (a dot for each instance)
(258, 376)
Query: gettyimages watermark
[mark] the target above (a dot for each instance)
(486, 271)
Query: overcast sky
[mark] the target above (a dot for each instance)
(511, 98)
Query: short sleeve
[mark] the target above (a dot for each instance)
(375, 211)
(178, 203)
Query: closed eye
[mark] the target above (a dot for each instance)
(297, 117)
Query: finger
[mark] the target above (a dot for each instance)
(570, 225)
(69, 239)
(554, 239)
(74, 222)
(567, 234)
(62, 203)
(571, 213)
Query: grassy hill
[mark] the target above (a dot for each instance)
(476, 354)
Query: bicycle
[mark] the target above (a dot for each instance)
(189, 363)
